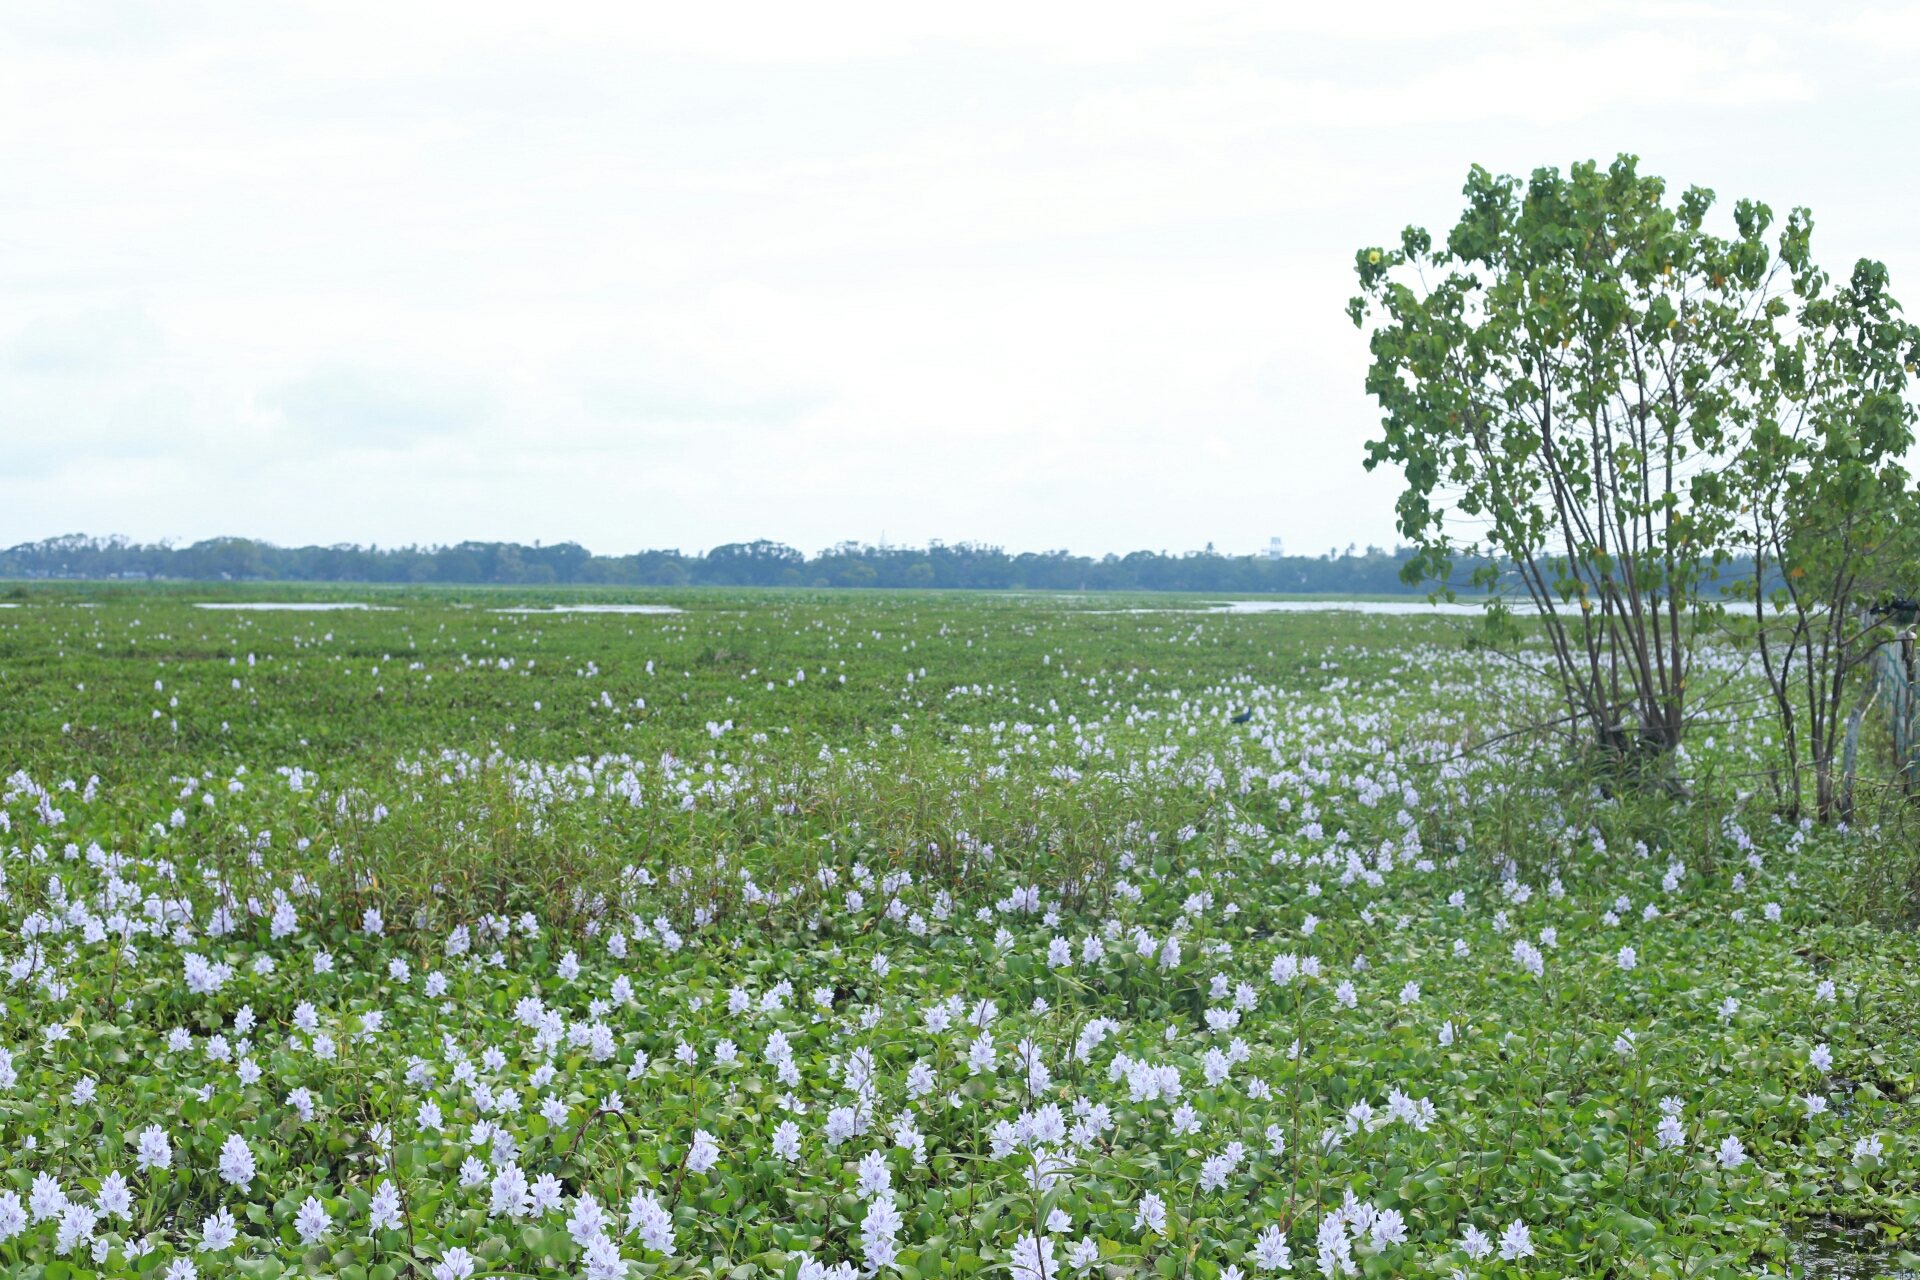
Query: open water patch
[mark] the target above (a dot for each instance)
(598, 608)
(1406, 608)
(1826, 1247)
(294, 606)
(1412, 608)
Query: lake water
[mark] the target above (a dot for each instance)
(1828, 1248)
(598, 608)
(1411, 608)
(1406, 608)
(294, 606)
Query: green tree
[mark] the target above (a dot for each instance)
(1827, 512)
(1564, 383)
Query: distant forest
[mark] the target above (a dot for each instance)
(739, 564)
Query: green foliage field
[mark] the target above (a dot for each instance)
(810, 934)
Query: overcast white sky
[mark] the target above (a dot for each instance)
(647, 275)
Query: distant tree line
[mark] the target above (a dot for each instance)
(739, 564)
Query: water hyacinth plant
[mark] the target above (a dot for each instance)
(1175, 943)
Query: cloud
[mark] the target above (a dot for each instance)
(352, 407)
(119, 25)
(652, 402)
(1888, 29)
(92, 342)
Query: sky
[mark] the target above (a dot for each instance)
(639, 275)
